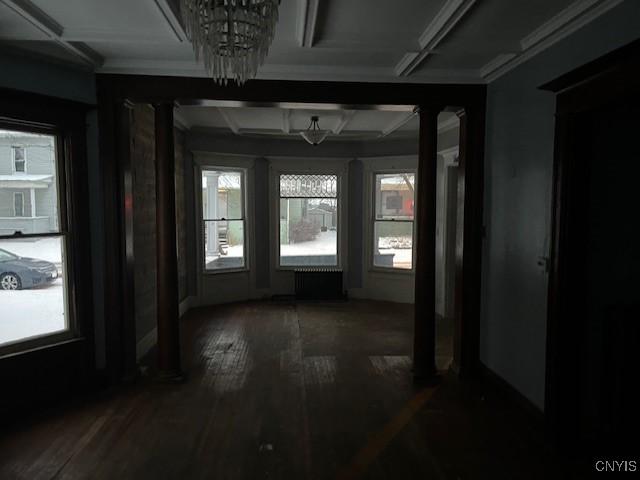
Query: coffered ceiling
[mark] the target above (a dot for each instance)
(449, 41)
(289, 122)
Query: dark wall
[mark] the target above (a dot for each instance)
(518, 179)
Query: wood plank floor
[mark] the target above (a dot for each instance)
(283, 391)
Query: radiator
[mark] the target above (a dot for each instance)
(319, 284)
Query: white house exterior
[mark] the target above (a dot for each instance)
(27, 183)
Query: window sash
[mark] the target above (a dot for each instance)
(241, 218)
(390, 219)
(335, 198)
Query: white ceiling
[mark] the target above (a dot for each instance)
(449, 41)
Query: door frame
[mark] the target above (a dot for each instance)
(608, 80)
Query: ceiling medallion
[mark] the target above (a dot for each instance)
(231, 36)
(313, 134)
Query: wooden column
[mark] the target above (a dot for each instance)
(424, 353)
(167, 264)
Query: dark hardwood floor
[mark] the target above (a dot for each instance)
(283, 391)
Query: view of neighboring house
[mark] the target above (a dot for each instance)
(27, 187)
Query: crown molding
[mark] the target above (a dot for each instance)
(52, 29)
(171, 15)
(230, 121)
(398, 122)
(307, 21)
(568, 21)
(447, 17)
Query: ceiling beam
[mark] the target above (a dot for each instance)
(52, 29)
(231, 123)
(307, 21)
(397, 123)
(345, 118)
(448, 17)
(567, 21)
(172, 16)
(286, 121)
(293, 105)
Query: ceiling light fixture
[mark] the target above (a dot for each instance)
(313, 134)
(231, 36)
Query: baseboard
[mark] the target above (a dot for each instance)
(146, 343)
(510, 392)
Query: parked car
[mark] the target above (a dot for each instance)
(17, 272)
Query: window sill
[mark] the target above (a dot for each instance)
(394, 271)
(18, 349)
(225, 270)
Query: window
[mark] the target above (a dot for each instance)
(19, 159)
(223, 216)
(18, 204)
(394, 197)
(308, 220)
(33, 288)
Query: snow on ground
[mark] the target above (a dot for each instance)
(31, 312)
(324, 244)
(36, 311)
(40, 248)
(401, 256)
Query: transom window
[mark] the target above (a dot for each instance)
(393, 216)
(308, 226)
(223, 216)
(19, 159)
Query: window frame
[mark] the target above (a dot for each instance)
(339, 206)
(372, 221)
(13, 158)
(202, 221)
(64, 176)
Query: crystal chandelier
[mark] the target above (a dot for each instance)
(313, 134)
(231, 36)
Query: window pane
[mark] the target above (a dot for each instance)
(37, 209)
(393, 245)
(224, 244)
(32, 288)
(222, 195)
(308, 231)
(394, 196)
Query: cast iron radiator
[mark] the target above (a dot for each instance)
(319, 284)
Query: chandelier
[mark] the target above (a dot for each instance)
(313, 134)
(231, 36)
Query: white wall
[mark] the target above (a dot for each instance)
(518, 176)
